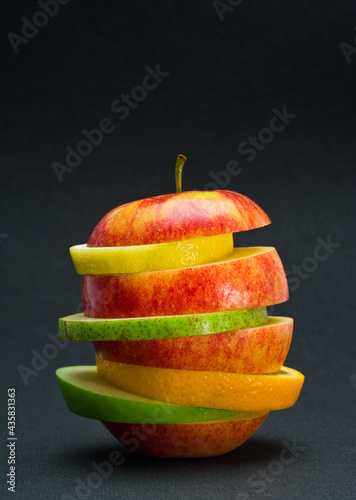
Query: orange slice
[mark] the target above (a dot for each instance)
(209, 389)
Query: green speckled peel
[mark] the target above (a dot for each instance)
(78, 327)
(89, 395)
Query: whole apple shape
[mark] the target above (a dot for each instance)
(190, 375)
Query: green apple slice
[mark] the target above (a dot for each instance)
(78, 327)
(87, 394)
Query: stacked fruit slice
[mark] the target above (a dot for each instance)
(188, 363)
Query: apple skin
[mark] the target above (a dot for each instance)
(261, 349)
(78, 327)
(88, 394)
(185, 440)
(253, 281)
(178, 216)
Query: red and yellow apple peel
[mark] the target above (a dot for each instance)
(161, 284)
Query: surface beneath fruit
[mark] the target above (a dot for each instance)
(155, 257)
(231, 391)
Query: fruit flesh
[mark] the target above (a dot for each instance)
(209, 389)
(220, 286)
(155, 257)
(185, 440)
(262, 349)
(89, 395)
(78, 327)
(172, 217)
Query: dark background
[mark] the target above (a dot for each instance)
(225, 78)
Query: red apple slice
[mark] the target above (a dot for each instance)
(262, 349)
(179, 216)
(251, 277)
(205, 439)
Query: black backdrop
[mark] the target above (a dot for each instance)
(226, 69)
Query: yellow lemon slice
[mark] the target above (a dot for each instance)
(222, 390)
(155, 257)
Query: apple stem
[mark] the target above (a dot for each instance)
(179, 167)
